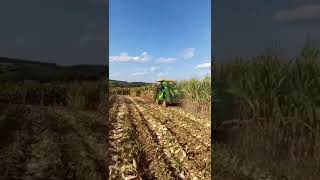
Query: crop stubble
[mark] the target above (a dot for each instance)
(157, 142)
(52, 143)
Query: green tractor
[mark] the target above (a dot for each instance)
(167, 93)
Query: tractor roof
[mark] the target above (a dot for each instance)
(166, 80)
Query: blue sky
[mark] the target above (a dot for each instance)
(152, 39)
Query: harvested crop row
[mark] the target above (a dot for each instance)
(196, 120)
(50, 145)
(123, 148)
(172, 148)
(43, 152)
(90, 136)
(197, 150)
(80, 148)
(158, 162)
(189, 127)
(18, 154)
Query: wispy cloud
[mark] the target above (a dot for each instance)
(188, 53)
(206, 65)
(153, 71)
(300, 13)
(140, 73)
(144, 71)
(166, 60)
(124, 57)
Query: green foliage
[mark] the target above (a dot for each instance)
(281, 99)
(196, 93)
(198, 90)
(274, 90)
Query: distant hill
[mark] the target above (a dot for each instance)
(116, 83)
(17, 70)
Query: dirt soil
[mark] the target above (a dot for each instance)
(51, 143)
(148, 141)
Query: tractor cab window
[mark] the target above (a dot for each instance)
(166, 84)
(172, 85)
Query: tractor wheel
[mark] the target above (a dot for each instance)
(164, 103)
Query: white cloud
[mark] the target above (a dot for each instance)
(153, 71)
(188, 53)
(140, 73)
(303, 12)
(149, 74)
(166, 60)
(124, 57)
(206, 65)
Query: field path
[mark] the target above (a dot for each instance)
(148, 141)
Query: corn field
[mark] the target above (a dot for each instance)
(280, 101)
(52, 130)
(197, 93)
(79, 95)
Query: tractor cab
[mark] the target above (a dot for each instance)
(167, 92)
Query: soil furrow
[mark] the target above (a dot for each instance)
(15, 155)
(201, 135)
(142, 161)
(127, 149)
(196, 150)
(165, 143)
(202, 132)
(50, 142)
(91, 142)
(171, 146)
(197, 123)
(78, 148)
(160, 163)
